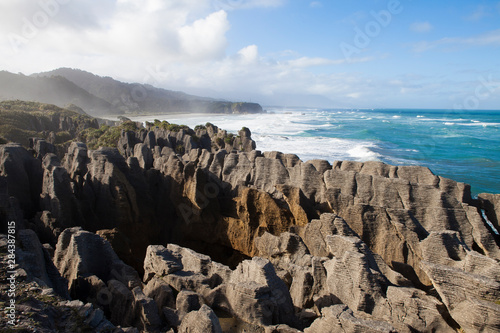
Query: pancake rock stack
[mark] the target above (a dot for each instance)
(230, 239)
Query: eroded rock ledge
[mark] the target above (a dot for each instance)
(349, 246)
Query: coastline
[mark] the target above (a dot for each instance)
(454, 144)
(200, 213)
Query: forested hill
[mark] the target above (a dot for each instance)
(135, 98)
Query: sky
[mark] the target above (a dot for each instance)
(327, 53)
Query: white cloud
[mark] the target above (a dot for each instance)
(480, 12)
(489, 38)
(311, 62)
(421, 27)
(249, 54)
(245, 4)
(205, 38)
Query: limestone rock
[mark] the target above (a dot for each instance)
(188, 301)
(143, 153)
(342, 319)
(37, 263)
(256, 294)
(146, 311)
(23, 175)
(316, 231)
(491, 204)
(202, 321)
(288, 247)
(161, 292)
(57, 195)
(80, 253)
(41, 147)
(159, 261)
(475, 315)
(412, 310)
(471, 293)
(121, 304)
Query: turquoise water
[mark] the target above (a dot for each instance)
(461, 145)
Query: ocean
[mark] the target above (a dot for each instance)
(457, 144)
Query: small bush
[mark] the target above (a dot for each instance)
(62, 137)
(179, 149)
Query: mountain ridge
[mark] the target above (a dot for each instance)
(105, 96)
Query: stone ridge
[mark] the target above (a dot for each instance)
(364, 246)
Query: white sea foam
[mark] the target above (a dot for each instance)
(479, 123)
(285, 132)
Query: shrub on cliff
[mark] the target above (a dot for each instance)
(106, 136)
(20, 120)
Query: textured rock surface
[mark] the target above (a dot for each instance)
(339, 318)
(491, 204)
(36, 261)
(80, 253)
(202, 321)
(362, 246)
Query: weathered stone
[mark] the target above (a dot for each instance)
(188, 301)
(412, 310)
(316, 231)
(342, 319)
(57, 195)
(460, 290)
(41, 147)
(161, 292)
(491, 204)
(80, 253)
(146, 311)
(23, 175)
(143, 153)
(37, 263)
(121, 303)
(256, 294)
(159, 261)
(203, 320)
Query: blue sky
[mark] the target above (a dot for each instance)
(330, 53)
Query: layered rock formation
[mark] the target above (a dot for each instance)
(362, 246)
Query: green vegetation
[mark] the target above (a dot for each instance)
(106, 136)
(20, 120)
(229, 138)
(200, 127)
(170, 127)
(180, 149)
